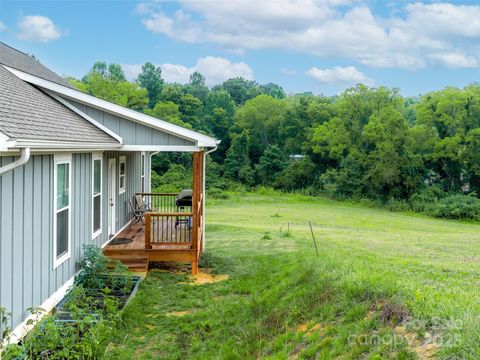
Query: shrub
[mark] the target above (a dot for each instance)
(217, 194)
(458, 206)
(423, 200)
(96, 274)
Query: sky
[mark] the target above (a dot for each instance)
(303, 45)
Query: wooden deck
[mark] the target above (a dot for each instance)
(173, 230)
(136, 232)
(137, 257)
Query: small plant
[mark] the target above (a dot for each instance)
(277, 214)
(4, 320)
(99, 272)
(286, 232)
(266, 236)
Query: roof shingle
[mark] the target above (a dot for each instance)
(28, 113)
(18, 60)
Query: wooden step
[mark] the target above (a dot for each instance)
(134, 263)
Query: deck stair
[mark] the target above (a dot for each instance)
(135, 263)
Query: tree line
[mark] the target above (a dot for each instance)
(412, 153)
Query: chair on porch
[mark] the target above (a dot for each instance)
(142, 205)
(138, 214)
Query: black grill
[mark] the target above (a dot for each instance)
(184, 198)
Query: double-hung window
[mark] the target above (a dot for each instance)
(63, 209)
(96, 195)
(143, 171)
(122, 174)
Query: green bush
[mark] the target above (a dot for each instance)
(217, 194)
(175, 179)
(424, 200)
(466, 207)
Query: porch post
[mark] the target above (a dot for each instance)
(197, 206)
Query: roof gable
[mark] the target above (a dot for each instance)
(200, 140)
(27, 113)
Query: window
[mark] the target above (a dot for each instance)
(143, 171)
(97, 195)
(122, 174)
(62, 206)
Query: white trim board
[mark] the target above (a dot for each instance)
(200, 139)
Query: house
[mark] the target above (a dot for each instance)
(70, 166)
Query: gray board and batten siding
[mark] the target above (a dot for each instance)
(131, 132)
(27, 275)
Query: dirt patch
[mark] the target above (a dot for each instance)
(310, 330)
(179, 313)
(390, 313)
(424, 348)
(204, 277)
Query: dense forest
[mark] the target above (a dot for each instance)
(419, 154)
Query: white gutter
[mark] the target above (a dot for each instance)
(204, 191)
(24, 157)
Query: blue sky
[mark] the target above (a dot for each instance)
(319, 46)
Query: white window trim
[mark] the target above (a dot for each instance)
(143, 171)
(120, 160)
(97, 156)
(58, 160)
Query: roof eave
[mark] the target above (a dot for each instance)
(199, 139)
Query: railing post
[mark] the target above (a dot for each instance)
(148, 230)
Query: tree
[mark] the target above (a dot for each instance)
(197, 87)
(151, 79)
(168, 111)
(122, 93)
(115, 73)
(237, 163)
(261, 116)
(272, 162)
(197, 79)
(240, 89)
(100, 68)
(111, 72)
(299, 174)
(191, 109)
(274, 90)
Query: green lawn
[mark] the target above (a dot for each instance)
(375, 269)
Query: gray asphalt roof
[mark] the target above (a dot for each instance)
(28, 113)
(26, 63)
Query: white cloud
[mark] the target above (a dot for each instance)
(454, 60)
(417, 36)
(288, 72)
(215, 69)
(339, 75)
(174, 73)
(3, 27)
(38, 28)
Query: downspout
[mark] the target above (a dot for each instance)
(24, 157)
(150, 172)
(204, 192)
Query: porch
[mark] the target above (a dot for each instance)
(170, 230)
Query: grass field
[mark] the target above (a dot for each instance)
(385, 285)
